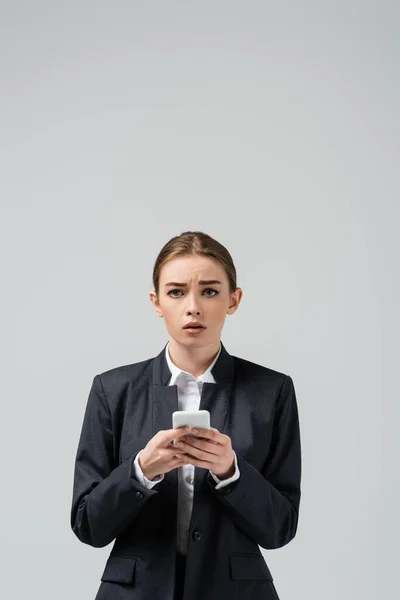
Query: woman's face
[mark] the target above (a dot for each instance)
(193, 300)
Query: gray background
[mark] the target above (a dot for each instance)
(273, 127)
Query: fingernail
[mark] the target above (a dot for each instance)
(195, 431)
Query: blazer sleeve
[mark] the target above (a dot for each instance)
(265, 504)
(105, 499)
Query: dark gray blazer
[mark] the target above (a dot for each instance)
(252, 404)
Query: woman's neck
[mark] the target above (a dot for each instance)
(193, 360)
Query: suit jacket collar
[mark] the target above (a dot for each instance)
(222, 371)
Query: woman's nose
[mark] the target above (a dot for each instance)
(193, 306)
(193, 309)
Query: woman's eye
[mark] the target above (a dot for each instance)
(170, 293)
(211, 290)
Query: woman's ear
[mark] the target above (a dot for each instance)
(155, 303)
(235, 301)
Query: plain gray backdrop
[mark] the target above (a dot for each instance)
(273, 127)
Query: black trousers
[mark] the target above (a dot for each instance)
(179, 575)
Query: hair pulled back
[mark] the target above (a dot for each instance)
(191, 243)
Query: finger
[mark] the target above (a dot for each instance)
(179, 456)
(197, 452)
(212, 434)
(176, 451)
(203, 445)
(173, 434)
(179, 430)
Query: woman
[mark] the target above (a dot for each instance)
(188, 519)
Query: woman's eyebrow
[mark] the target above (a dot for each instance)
(201, 282)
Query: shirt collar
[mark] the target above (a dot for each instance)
(206, 376)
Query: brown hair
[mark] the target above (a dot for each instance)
(190, 243)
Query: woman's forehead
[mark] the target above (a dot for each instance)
(192, 269)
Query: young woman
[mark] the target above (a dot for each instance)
(188, 519)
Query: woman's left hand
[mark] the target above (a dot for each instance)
(213, 451)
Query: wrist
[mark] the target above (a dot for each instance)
(146, 472)
(228, 473)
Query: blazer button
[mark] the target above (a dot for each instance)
(197, 535)
(139, 495)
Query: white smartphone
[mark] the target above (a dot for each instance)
(193, 418)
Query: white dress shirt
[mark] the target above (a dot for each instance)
(189, 395)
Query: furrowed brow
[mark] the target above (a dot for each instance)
(201, 282)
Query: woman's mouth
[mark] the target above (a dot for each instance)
(194, 330)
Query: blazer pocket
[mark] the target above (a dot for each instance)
(120, 569)
(247, 565)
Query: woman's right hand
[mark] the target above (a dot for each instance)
(159, 456)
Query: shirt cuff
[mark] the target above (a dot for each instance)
(141, 477)
(223, 482)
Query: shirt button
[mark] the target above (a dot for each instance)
(197, 535)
